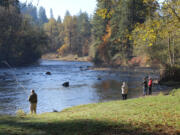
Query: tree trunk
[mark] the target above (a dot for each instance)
(70, 42)
(169, 50)
(173, 52)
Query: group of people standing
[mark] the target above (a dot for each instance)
(147, 87)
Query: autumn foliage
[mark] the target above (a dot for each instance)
(136, 32)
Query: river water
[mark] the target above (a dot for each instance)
(86, 86)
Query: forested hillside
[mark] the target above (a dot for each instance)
(72, 35)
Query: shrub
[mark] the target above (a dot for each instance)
(20, 113)
(170, 74)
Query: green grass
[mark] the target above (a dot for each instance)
(156, 115)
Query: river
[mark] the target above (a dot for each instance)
(86, 86)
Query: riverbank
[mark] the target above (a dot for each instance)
(152, 115)
(130, 67)
(70, 57)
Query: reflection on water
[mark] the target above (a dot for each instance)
(85, 87)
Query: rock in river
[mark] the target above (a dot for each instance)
(48, 73)
(66, 84)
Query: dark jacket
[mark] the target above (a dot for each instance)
(145, 83)
(33, 98)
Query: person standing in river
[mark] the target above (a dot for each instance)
(33, 102)
(124, 89)
(145, 86)
(150, 86)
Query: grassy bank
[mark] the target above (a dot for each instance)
(156, 115)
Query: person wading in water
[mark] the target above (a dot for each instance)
(33, 102)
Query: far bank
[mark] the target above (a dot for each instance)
(70, 57)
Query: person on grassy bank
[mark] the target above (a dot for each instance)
(145, 86)
(150, 85)
(124, 89)
(33, 102)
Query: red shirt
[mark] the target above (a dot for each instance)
(150, 82)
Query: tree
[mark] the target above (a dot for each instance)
(51, 29)
(51, 14)
(160, 34)
(9, 25)
(68, 32)
(67, 13)
(84, 34)
(59, 19)
(100, 25)
(30, 10)
(42, 16)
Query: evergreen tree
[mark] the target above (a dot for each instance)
(67, 13)
(42, 16)
(51, 13)
(84, 33)
(59, 19)
(30, 10)
(101, 31)
(8, 3)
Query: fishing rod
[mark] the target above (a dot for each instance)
(14, 75)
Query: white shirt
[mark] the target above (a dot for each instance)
(124, 89)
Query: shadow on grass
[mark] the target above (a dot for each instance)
(13, 126)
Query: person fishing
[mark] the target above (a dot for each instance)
(32, 98)
(33, 102)
(145, 86)
(124, 89)
(150, 85)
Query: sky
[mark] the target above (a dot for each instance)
(61, 6)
